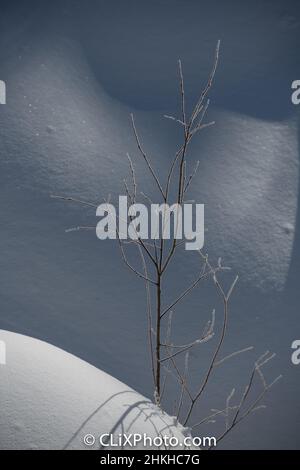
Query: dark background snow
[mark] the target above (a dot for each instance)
(74, 71)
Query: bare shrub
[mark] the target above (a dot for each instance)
(156, 257)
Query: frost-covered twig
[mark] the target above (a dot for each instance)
(156, 258)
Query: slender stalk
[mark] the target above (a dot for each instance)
(158, 335)
(212, 363)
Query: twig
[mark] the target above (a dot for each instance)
(144, 155)
(191, 177)
(72, 199)
(232, 355)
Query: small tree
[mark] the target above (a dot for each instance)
(156, 257)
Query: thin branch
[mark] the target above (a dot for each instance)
(250, 348)
(80, 227)
(219, 345)
(253, 407)
(72, 199)
(188, 290)
(209, 83)
(149, 312)
(182, 93)
(213, 415)
(191, 177)
(228, 295)
(144, 155)
(172, 118)
(137, 273)
(179, 376)
(188, 347)
(168, 338)
(230, 396)
(202, 126)
(146, 197)
(177, 155)
(132, 177)
(185, 375)
(203, 110)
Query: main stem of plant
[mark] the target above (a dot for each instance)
(158, 328)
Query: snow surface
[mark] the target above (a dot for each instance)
(74, 73)
(64, 132)
(51, 399)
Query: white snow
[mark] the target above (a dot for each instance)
(51, 399)
(247, 178)
(65, 130)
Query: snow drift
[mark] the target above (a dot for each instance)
(51, 399)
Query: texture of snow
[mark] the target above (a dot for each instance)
(74, 72)
(51, 399)
(72, 137)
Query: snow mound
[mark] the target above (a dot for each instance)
(50, 399)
